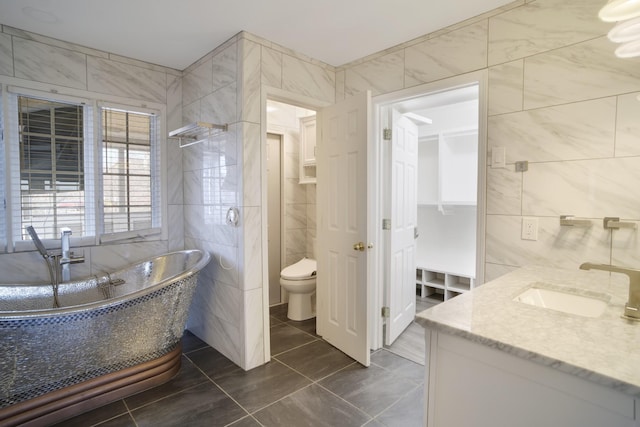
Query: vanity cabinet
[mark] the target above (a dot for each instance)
(469, 384)
(308, 150)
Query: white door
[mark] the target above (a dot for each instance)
(342, 289)
(401, 280)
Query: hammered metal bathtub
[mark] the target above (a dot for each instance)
(112, 336)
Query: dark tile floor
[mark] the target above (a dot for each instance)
(307, 383)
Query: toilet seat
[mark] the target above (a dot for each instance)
(301, 270)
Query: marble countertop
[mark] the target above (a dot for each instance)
(605, 350)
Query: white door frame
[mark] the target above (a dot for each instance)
(376, 274)
(273, 94)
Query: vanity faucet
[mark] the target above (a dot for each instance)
(632, 308)
(66, 256)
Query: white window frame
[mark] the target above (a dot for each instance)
(156, 172)
(93, 202)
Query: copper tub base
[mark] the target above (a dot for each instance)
(74, 400)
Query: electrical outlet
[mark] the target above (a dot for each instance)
(529, 228)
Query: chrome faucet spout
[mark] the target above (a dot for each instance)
(632, 308)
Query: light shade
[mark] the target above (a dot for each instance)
(628, 49)
(625, 31)
(620, 10)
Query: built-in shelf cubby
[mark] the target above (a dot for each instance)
(441, 285)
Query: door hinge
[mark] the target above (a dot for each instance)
(386, 224)
(386, 313)
(386, 134)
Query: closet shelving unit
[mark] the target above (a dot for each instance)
(447, 196)
(197, 132)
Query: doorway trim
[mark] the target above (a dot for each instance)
(376, 181)
(280, 95)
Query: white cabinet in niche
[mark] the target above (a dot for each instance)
(448, 169)
(441, 284)
(308, 150)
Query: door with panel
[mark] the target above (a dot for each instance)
(401, 281)
(342, 289)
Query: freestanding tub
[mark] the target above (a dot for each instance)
(112, 336)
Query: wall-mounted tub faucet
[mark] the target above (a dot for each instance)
(57, 264)
(632, 308)
(66, 256)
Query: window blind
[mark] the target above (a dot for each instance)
(51, 156)
(126, 170)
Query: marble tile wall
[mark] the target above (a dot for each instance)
(558, 98)
(212, 184)
(33, 61)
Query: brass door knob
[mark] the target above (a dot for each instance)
(359, 247)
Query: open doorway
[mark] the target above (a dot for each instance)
(291, 213)
(431, 185)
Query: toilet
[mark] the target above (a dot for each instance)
(299, 280)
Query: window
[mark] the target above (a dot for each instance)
(51, 166)
(73, 163)
(126, 170)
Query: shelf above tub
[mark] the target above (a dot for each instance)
(197, 132)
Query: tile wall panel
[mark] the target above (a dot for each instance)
(252, 228)
(541, 26)
(340, 85)
(126, 80)
(305, 78)
(582, 130)
(625, 244)
(562, 247)
(249, 104)
(506, 87)
(450, 54)
(219, 107)
(6, 55)
(628, 125)
(254, 335)
(381, 75)
(49, 64)
(225, 67)
(578, 72)
(198, 82)
(175, 225)
(271, 67)
(587, 188)
(252, 159)
(504, 191)
(174, 152)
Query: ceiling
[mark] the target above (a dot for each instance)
(176, 33)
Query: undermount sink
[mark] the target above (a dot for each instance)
(561, 301)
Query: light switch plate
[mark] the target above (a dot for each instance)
(498, 157)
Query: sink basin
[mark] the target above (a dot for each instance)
(562, 301)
